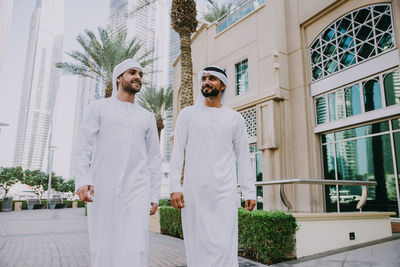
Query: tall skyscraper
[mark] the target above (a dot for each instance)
(6, 7)
(174, 51)
(137, 22)
(88, 90)
(40, 84)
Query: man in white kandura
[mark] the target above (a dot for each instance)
(121, 179)
(214, 137)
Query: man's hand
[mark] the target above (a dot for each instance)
(83, 193)
(153, 209)
(177, 200)
(250, 204)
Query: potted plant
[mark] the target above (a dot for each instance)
(9, 177)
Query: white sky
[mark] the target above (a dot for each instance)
(79, 15)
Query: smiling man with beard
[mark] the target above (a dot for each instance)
(118, 172)
(215, 139)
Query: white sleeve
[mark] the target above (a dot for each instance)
(87, 134)
(178, 151)
(154, 161)
(242, 151)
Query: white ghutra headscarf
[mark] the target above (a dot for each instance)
(120, 69)
(217, 72)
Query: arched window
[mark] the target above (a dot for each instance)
(336, 110)
(322, 114)
(355, 37)
(392, 88)
(352, 100)
(372, 95)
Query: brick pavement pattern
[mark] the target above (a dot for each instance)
(59, 238)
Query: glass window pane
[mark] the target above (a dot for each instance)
(383, 23)
(368, 159)
(347, 59)
(322, 114)
(317, 72)
(396, 124)
(372, 95)
(385, 42)
(362, 15)
(329, 173)
(379, 127)
(328, 34)
(343, 25)
(336, 109)
(328, 161)
(353, 100)
(392, 88)
(365, 51)
(327, 138)
(364, 32)
(396, 137)
(242, 77)
(256, 162)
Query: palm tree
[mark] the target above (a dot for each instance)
(101, 55)
(184, 22)
(214, 12)
(158, 102)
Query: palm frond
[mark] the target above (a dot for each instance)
(101, 52)
(157, 101)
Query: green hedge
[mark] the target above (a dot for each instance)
(44, 201)
(170, 221)
(164, 202)
(267, 237)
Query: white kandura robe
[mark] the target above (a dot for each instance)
(214, 138)
(126, 174)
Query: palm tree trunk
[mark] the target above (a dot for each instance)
(186, 70)
(109, 90)
(160, 126)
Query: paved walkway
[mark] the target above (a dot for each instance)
(59, 238)
(383, 253)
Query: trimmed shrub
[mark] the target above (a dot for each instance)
(164, 202)
(170, 221)
(267, 237)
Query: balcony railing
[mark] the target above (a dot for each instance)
(238, 13)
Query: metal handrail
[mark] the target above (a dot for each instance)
(236, 14)
(287, 203)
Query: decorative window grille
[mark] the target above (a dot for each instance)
(355, 37)
(250, 118)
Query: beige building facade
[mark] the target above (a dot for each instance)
(318, 84)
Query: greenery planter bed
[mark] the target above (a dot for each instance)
(267, 237)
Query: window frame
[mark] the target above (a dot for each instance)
(240, 62)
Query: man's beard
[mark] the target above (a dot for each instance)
(213, 93)
(128, 87)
